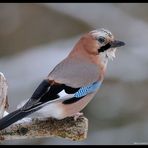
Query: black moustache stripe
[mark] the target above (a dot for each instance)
(103, 48)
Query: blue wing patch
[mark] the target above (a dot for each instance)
(83, 91)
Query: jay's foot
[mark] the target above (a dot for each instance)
(77, 115)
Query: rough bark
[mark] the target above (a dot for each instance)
(3, 95)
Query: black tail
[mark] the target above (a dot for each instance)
(32, 105)
(13, 117)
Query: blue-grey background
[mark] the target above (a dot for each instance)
(35, 37)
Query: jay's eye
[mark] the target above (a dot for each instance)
(101, 39)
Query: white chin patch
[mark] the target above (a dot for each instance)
(111, 53)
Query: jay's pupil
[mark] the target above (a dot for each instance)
(101, 39)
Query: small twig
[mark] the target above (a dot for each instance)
(40, 127)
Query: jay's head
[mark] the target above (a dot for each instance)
(101, 42)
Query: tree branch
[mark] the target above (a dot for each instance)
(36, 128)
(40, 127)
(3, 95)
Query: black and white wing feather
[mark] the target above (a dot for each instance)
(48, 92)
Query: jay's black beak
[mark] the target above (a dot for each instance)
(116, 43)
(113, 44)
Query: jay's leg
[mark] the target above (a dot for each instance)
(77, 115)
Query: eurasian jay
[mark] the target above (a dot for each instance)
(71, 85)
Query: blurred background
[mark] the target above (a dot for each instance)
(35, 37)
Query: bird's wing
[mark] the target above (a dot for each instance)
(75, 72)
(49, 92)
(69, 81)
